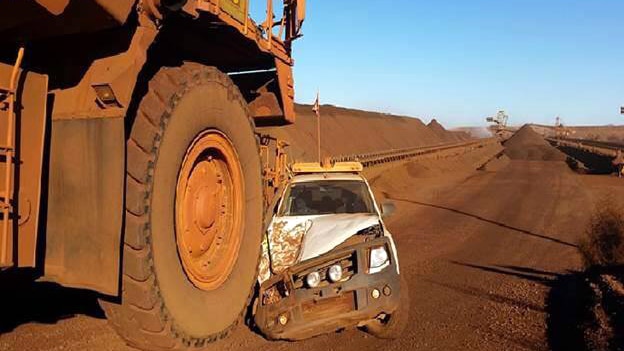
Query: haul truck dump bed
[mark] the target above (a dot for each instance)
(129, 161)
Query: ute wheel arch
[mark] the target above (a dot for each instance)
(161, 306)
(397, 322)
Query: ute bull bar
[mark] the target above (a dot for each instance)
(295, 311)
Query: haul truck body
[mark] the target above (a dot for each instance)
(129, 164)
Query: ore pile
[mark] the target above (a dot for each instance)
(348, 131)
(444, 134)
(527, 145)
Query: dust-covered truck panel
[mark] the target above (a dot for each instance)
(46, 18)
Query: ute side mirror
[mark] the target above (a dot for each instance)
(387, 209)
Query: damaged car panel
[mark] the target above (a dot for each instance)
(328, 231)
(282, 245)
(328, 261)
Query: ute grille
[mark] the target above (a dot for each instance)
(347, 262)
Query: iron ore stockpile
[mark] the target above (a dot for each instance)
(444, 134)
(348, 131)
(528, 145)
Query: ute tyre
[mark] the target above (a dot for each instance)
(396, 323)
(161, 308)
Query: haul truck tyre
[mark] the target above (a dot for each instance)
(194, 207)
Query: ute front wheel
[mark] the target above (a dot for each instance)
(391, 326)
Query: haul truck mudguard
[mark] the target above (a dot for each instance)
(129, 163)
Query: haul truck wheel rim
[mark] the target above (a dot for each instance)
(209, 210)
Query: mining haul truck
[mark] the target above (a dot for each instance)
(129, 160)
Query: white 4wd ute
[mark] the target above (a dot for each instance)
(328, 262)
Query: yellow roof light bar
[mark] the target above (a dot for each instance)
(315, 167)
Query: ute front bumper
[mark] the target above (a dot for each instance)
(288, 309)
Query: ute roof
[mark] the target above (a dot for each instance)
(315, 171)
(326, 167)
(302, 178)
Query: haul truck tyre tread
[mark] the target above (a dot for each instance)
(194, 210)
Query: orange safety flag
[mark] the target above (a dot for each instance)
(317, 107)
(317, 110)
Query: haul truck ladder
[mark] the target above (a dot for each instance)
(7, 103)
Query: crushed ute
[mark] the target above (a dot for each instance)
(329, 262)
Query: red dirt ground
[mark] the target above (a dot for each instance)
(481, 250)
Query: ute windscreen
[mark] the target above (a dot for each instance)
(326, 197)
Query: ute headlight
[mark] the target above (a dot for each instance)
(313, 279)
(335, 273)
(379, 259)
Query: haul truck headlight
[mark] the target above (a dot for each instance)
(335, 273)
(379, 259)
(313, 279)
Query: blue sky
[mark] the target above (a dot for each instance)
(460, 61)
